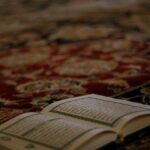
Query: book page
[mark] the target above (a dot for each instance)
(97, 109)
(38, 131)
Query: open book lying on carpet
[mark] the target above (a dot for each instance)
(84, 123)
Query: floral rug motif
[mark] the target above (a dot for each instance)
(33, 77)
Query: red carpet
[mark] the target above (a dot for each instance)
(31, 78)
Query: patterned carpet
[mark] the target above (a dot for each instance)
(48, 54)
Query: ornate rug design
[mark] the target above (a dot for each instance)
(33, 77)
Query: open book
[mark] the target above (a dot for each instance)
(84, 123)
